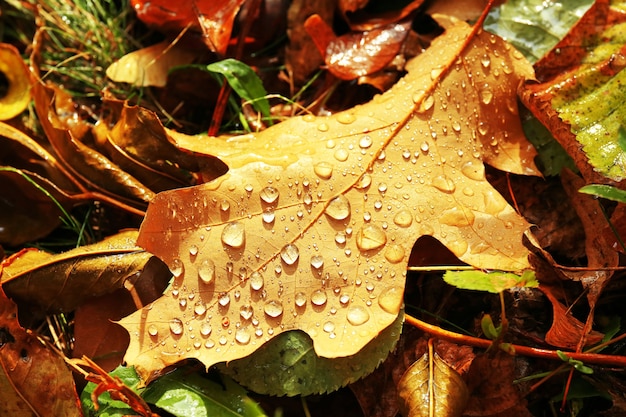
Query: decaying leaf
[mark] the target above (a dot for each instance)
(61, 282)
(36, 374)
(430, 387)
(316, 217)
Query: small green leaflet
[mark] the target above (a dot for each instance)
(245, 82)
(108, 406)
(184, 393)
(605, 191)
(494, 282)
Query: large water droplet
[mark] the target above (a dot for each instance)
(473, 170)
(176, 326)
(370, 237)
(365, 142)
(346, 118)
(394, 253)
(390, 299)
(357, 315)
(246, 311)
(224, 299)
(242, 336)
(486, 95)
(317, 261)
(403, 218)
(177, 268)
(341, 155)
(457, 217)
(256, 280)
(269, 195)
(318, 297)
(426, 104)
(234, 235)
(268, 216)
(273, 308)
(153, 330)
(323, 169)
(300, 299)
(205, 329)
(329, 327)
(338, 208)
(199, 308)
(444, 183)
(224, 206)
(289, 254)
(206, 271)
(193, 250)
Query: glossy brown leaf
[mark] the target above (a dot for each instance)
(431, 387)
(35, 374)
(320, 214)
(358, 53)
(61, 282)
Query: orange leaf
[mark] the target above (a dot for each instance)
(316, 218)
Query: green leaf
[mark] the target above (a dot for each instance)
(183, 394)
(535, 26)
(605, 191)
(245, 82)
(489, 329)
(109, 407)
(552, 158)
(288, 365)
(490, 281)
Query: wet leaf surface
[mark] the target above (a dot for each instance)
(318, 215)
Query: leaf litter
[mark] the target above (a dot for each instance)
(312, 225)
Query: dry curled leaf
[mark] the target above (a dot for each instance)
(316, 218)
(17, 82)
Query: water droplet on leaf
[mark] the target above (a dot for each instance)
(176, 326)
(256, 280)
(206, 271)
(273, 308)
(370, 237)
(390, 300)
(403, 218)
(317, 261)
(177, 267)
(323, 169)
(338, 208)
(473, 170)
(444, 183)
(357, 315)
(234, 235)
(242, 336)
(318, 297)
(153, 330)
(289, 254)
(269, 195)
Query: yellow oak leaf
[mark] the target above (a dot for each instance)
(312, 226)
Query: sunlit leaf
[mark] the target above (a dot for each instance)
(14, 100)
(430, 387)
(495, 282)
(149, 66)
(182, 394)
(61, 282)
(320, 214)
